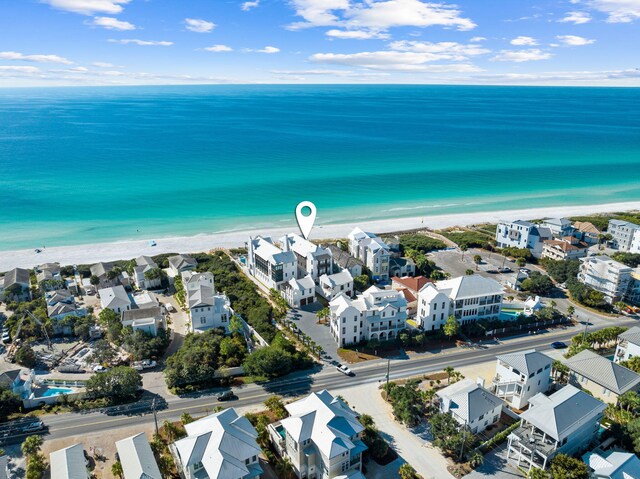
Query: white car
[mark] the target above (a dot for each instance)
(345, 370)
(6, 337)
(99, 369)
(148, 363)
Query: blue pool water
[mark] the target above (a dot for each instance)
(56, 392)
(509, 315)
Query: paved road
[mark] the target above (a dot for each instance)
(75, 424)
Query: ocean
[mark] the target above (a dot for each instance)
(88, 165)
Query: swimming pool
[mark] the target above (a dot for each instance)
(56, 392)
(510, 315)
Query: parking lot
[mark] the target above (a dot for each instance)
(306, 321)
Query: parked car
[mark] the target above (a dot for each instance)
(558, 345)
(6, 337)
(70, 369)
(99, 369)
(225, 396)
(169, 307)
(33, 427)
(492, 271)
(525, 270)
(505, 270)
(345, 370)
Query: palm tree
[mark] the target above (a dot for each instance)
(571, 310)
(284, 469)
(31, 445)
(477, 259)
(186, 418)
(463, 248)
(553, 304)
(165, 464)
(449, 370)
(323, 314)
(116, 469)
(476, 459)
(170, 430)
(407, 471)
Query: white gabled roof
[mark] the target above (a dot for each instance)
(469, 287)
(559, 415)
(137, 458)
(337, 279)
(326, 420)
(526, 362)
(221, 442)
(69, 463)
(469, 400)
(302, 283)
(114, 297)
(303, 247)
(264, 247)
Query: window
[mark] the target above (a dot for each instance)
(344, 320)
(344, 330)
(481, 417)
(203, 320)
(355, 329)
(197, 466)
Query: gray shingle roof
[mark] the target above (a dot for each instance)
(180, 261)
(604, 372)
(526, 362)
(16, 276)
(100, 269)
(343, 258)
(136, 314)
(632, 335)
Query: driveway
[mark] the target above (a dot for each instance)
(495, 466)
(307, 321)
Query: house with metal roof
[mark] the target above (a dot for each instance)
(471, 405)
(69, 463)
(628, 345)
(146, 274)
(311, 259)
(613, 465)
(372, 251)
(467, 298)
(207, 308)
(331, 285)
(559, 227)
(322, 437)
(115, 298)
(522, 234)
(269, 264)
(219, 446)
(565, 422)
(299, 292)
(137, 459)
(602, 377)
(149, 320)
(520, 376)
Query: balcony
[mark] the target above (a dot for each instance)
(531, 440)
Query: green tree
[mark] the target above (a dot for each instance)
(269, 362)
(407, 471)
(170, 430)
(116, 469)
(360, 283)
(284, 469)
(537, 283)
(451, 327)
(536, 473)
(571, 310)
(476, 458)
(235, 325)
(117, 384)
(276, 406)
(463, 249)
(378, 447)
(186, 418)
(31, 445)
(567, 467)
(25, 356)
(323, 314)
(449, 370)
(521, 262)
(408, 403)
(94, 280)
(9, 403)
(468, 272)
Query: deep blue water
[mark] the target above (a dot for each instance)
(81, 165)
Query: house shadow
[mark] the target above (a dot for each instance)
(292, 386)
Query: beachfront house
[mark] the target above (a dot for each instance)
(622, 233)
(181, 263)
(146, 274)
(137, 459)
(605, 379)
(612, 464)
(559, 227)
(269, 264)
(15, 285)
(372, 251)
(207, 308)
(334, 284)
(376, 314)
(69, 463)
(563, 249)
(322, 438)
(60, 304)
(628, 345)
(467, 298)
(565, 422)
(149, 320)
(115, 298)
(344, 260)
(311, 259)
(606, 275)
(299, 292)
(470, 404)
(522, 234)
(587, 232)
(108, 274)
(520, 376)
(219, 446)
(401, 267)
(48, 276)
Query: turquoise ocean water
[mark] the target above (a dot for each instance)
(83, 165)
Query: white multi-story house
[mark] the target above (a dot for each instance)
(207, 309)
(520, 376)
(137, 459)
(376, 314)
(622, 233)
(468, 298)
(471, 405)
(146, 274)
(269, 264)
(565, 422)
(634, 247)
(522, 234)
(606, 275)
(299, 292)
(322, 438)
(115, 298)
(149, 320)
(559, 227)
(372, 251)
(311, 259)
(345, 260)
(332, 285)
(219, 446)
(628, 345)
(569, 247)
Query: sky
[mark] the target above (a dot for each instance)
(137, 42)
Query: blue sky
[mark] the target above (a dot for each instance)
(114, 42)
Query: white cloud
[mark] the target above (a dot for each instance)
(113, 23)
(524, 41)
(34, 58)
(618, 11)
(393, 61)
(246, 6)
(518, 56)
(357, 34)
(379, 15)
(574, 40)
(18, 69)
(198, 25)
(440, 51)
(218, 48)
(477, 39)
(88, 7)
(269, 49)
(79, 69)
(576, 18)
(135, 41)
(103, 65)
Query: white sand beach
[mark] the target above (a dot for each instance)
(92, 253)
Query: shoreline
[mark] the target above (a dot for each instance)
(124, 250)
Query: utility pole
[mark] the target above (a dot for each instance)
(584, 334)
(387, 385)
